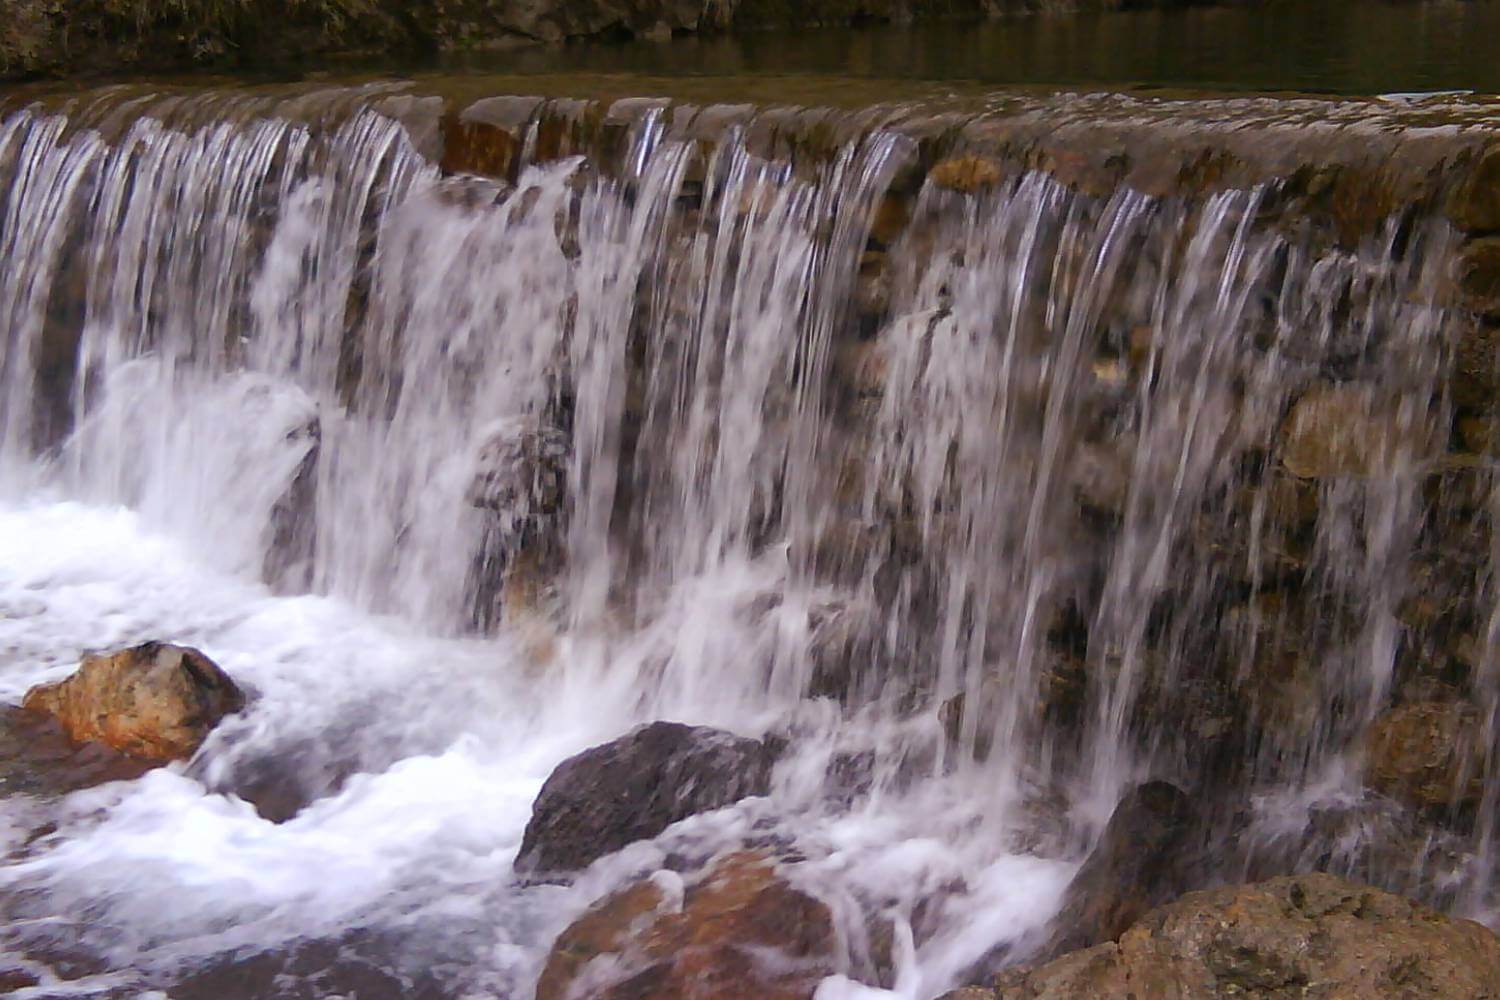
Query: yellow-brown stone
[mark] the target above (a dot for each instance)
(155, 701)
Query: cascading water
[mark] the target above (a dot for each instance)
(990, 509)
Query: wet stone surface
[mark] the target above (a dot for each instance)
(634, 788)
(38, 759)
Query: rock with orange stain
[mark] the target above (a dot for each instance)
(967, 174)
(742, 932)
(155, 701)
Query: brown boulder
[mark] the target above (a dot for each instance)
(154, 701)
(742, 932)
(1313, 936)
(1422, 754)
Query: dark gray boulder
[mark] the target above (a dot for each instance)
(635, 787)
(1146, 856)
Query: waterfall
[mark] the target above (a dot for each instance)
(978, 472)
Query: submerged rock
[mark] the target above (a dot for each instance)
(155, 701)
(1298, 936)
(742, 932)
(282, 783)
(360, 964)
(1143, 859)
(635, 787)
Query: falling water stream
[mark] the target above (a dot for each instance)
(458, 475)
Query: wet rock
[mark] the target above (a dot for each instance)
(38, 759)
(1479, 274)
(837, 650)
(952, 715)
(1273, 643)
(872, 291)
(1264, 536)
(282, 783)
(1479, 434)
(15, 978)
(519, 470)
(1140, 342)
(966, 174)
(1474, 204)
(634, 787)
(478, 147)
(1373, 840)
(1457, 487)
(1298, 936)
(1282, 501)
(1100, 473)
(520, 481)
(862, 368)
(514, 575)
(1143, 859)
(359, 964)
(288, 564)
(968, 718)
(1476, 363)
(529, 581)
(890, 219)
(1422, 754)
(607, 928)
(155, 701)
(1341, 430)
(742, 932)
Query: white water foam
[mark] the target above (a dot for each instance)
(168, 871)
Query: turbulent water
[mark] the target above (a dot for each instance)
(459, 476)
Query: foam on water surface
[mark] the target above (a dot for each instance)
(162, 870)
